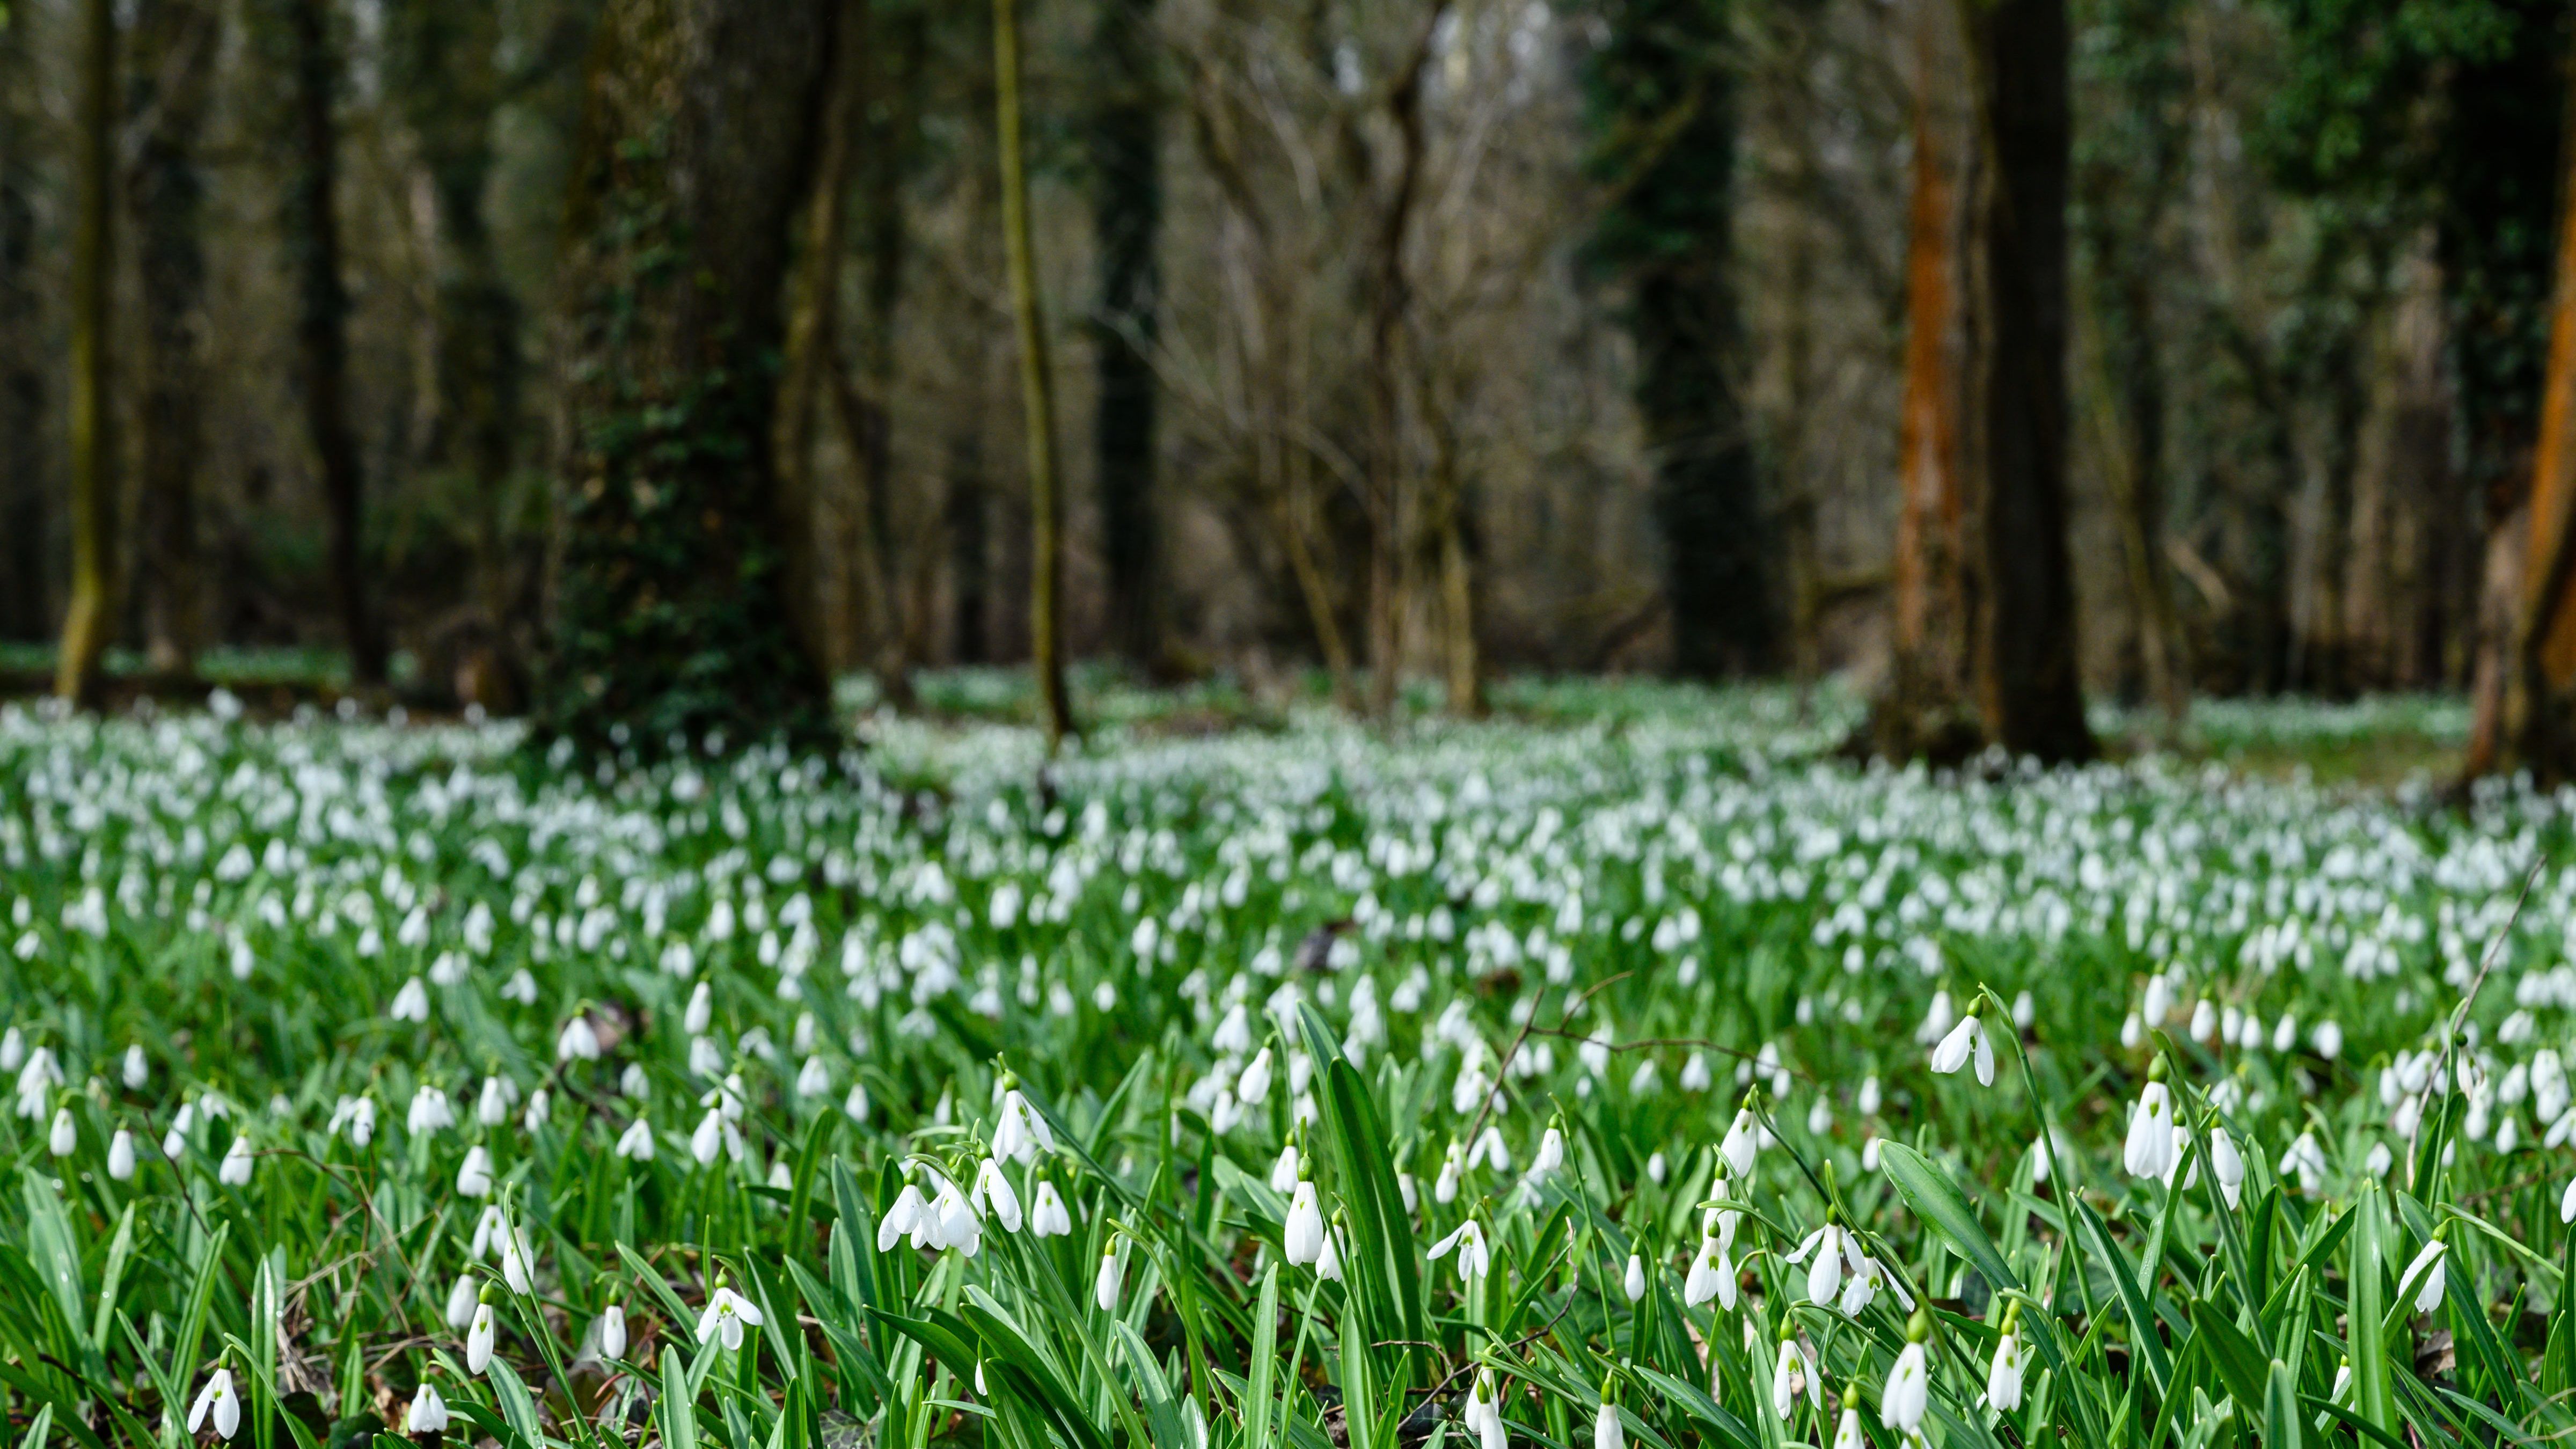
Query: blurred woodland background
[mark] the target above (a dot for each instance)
(643, 361)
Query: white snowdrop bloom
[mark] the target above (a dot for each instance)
(2226, 1165)
(2159, 1000)
(2306, 1161)
(488, 1228)
(65, 1134)
(492, 1105)
(577, 1042)
(218, 1402)
(1742, 1141)
(1964, 1043)
(993, 1195)
(461, 1300)
(1444, 1189)
(1284, 1172)
(2427, 1276)
(1712, 1275)
(2149, 1151)
(2567, 1203)
(120, 1156)
(1104, 1287)
(234, 1171)
(2133, 1032)
(2376, 1162)
(1254, 1085)
(1908, 1392)
(518, 1264)
(1328, 1261)
(474, 1179)
(1607, 1432)
(2285, 1032)
(636, 1143)
(708, 1139)
(1490, 1151)
(900, 1217)
(1937, 1019)
(1303, 1237)
(705, 1058)
(1468, 1241)
(701, 1011)
(813, 1079)
(1656, 1168)
(2204, 1021)
(1871, 1153)
(1788, 1378)
(479, 1338)
(1633, 1283)
(2004, 1374)
(427, 1412)
(1828, 1251)
(723, 1321)
(2327, 1038)
(138, 1069)
(1048, 1217)
(536, 1116)
(1695, 1073)
(855, 1105)
(1870, 1097)
(1847, 1432)
(430, 1112)
(1550, 1155)
(411, 1003)
(2342, 1381)
(612, 1332)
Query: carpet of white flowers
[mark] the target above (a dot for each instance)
(1647, 1079)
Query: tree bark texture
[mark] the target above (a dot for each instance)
(166, 98)
(1666, 90)
(672, 617)
(1128, 221)
(92, 617)
(25, 546)
(2025, 662)
(1037, 386)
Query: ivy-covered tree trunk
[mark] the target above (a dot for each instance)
(92, 617)
(1665, 110)
(166, 95)
(2024, 613)
(1126, 147)
(671, 618)
(304, 56)
(443, 68)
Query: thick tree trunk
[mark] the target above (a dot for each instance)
(1926, 709)
(26, 548)
(92, 618)
(894, 68)
(672, 618)
(1128, 220)
(1390, 299)
(1037, 387)
(2023, 628)
(967, 517)
(166, 97)
(443, 70)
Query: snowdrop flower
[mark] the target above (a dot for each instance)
(1474, 1261)
(461, 1300)
(1908, 1392)
(1607, 1433)
(1965, 1042)
(1303, 1237)
(2226, 1165)
(474, 1179)
(427, 1413)
(2150, 1148)
(708, 1139)
(411, 1003)
(536, 1115)
(2307, 1161)
(1634, 1283)
(636, 1143)
(2427, 1275)
(479, 1339)
(1847, 1433)
(993, 1195)
(120, 1156)
(612, 1331)
(726, 1313)
(1328, 1261)
(1742, 1140)
(2004, 1375)
(1254, 1084)
(430, 1112)
(900, 1218)
(1020, 1134)
(1444, 1189)
(65, 1135)
(1285, 1172)
(492, 1108)
(2327, 1038)
(577, 1042)
(218, 1401)
(1712, 1275)
(1104, 1288)
(2342, 1381)
(1833, 1249)
(1936, 1019)
(515, 1261)
(138, 1069)
(701, 1011)
(1550, 1155)
(1788, 1379)
(234, 1171)
(1047, 1216)
(2567, 1203)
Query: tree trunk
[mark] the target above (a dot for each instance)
(304, 59)
(1037, 387)
(166, 97)
(1666, 77)
(672, 619)
(894, 66)
(1390, 298)
(2023, 630)
(1128, 219)
(26, 548)
(968, 518)
(443, 70)
(1925, 711)
(92, 618)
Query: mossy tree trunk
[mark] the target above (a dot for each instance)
(78, 673)
(166, 98)
(1664, 96)
(672, 621)
(1127, 212)
(1037, 387)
